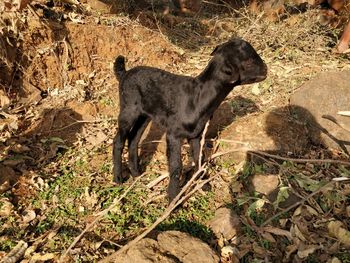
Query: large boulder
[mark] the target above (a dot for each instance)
(185, 248)
(172, 247)
(317, 102)
(274, 132)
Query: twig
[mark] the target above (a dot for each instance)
(298, 203)
(241, 149)
(344, 113)
(167, 212)
(175, 202)
(151, 142)
(296, 160)
(16, 253)
(101, 214)
(157, 180)
(233, 141)
(339, 123)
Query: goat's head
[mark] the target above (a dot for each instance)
(237, 62)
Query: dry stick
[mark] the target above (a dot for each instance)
(101, 214)
(297, 203)
(176, 201)
(299, 160)
(296, 160)
(167, 212)
(337, 122)
(157, 180)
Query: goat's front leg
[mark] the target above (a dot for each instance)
(174, 164)
(195, 150)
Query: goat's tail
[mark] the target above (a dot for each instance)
(119, 67)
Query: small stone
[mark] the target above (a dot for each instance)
(225, 223)
(255, 90)
(228, 250)
(265, 184)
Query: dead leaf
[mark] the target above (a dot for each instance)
(90, 199)
(5, 186)
(278, 231)
(28, 216)
(33, 94)
(268, 237)
(336, 229)
(297, 233)
(334, 260)
(18, 148)
(297, 211)
(311, 210)
(96, 139)
(290, 250)
(76, 18)
(38, 257)
(4, 100)
(304, 252)
(259, 250)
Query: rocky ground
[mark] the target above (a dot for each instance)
(59, 104)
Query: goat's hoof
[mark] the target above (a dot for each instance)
(135, 173)
(117, 180)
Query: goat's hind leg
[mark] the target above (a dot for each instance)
(126, 121)
(133, 141)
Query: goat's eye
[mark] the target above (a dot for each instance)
(227, 71)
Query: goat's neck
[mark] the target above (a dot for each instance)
(212, 93)
(212, 90)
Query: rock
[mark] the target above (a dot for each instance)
(225, 223)
(101, 7)
(172, 247)
(326, 94)
(145, 251)
(186, 248)
(228, 250)
(273, 131)
(265, 184)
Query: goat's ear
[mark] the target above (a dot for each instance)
(216, 49)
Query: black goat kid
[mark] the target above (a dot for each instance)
(181, 104)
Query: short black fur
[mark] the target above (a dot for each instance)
(181, 104)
